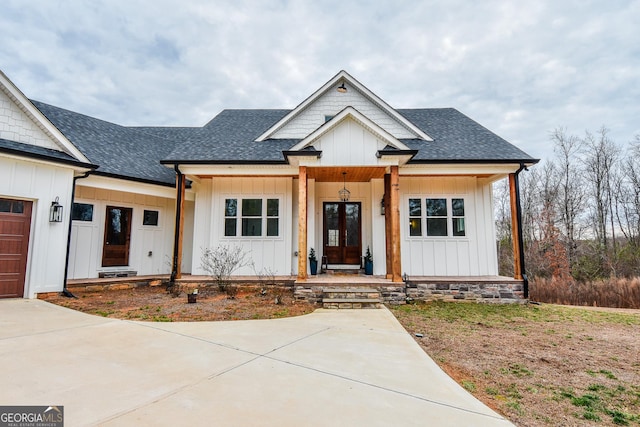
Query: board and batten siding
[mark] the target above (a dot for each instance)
(349, 144)
(471, 255)
(87, 237)
(40, 183)
(272, 253)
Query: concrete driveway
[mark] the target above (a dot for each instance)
(342, 367)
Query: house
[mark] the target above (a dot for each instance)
(340, 173)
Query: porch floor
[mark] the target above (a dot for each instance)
(317, 279)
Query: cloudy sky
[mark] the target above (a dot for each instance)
(521, 68)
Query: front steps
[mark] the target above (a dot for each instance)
(345, 298)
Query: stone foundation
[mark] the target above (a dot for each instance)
(500, 291)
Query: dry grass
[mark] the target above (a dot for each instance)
(539, 365)
(614, 292)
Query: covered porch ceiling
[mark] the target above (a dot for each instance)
(353, 173)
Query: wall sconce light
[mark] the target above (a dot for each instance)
(382, 206)
(55, 212)
(342, 88)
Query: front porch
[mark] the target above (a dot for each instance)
(416, 288)
(314, 288)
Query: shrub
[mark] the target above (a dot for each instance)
(221, 262)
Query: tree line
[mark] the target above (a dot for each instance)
(580, 210)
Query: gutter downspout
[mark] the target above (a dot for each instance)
(525, 279)
(66, 291)
(176, 234)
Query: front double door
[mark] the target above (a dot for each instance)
(342, 232)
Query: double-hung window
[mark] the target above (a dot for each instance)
(441, 217)
(251, 217)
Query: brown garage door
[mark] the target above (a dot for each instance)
(15, 221)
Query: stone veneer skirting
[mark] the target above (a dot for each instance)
(498, 290)
(486, 289)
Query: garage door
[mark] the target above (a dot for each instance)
(15, 221)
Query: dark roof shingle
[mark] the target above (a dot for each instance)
(118, 150)
(137, 152)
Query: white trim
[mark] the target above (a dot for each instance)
(61, 164)
(494, 171)
(358, 117)
(116, 184)
(40, 119)
(344, 77)
(239, 170)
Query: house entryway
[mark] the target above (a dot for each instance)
(117, 237)
(342, 241)
(15, 224)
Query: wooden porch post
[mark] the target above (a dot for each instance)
(394, 200)
(302, 223)
(515, 236)
(387, 224)
(181, 184)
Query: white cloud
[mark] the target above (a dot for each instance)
(520, 68)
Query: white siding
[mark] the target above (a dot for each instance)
(330, 104)
(41, 184)
(471, 255)
(349, 144)
(15, 125)
(265, 252)
(85, 260)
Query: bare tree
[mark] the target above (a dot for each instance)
(599, 162)
(502, 208)
(570, 192)
(628, 195)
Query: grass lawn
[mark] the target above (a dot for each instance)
(539, 365)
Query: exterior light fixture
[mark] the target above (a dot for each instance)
(342, 88)
(55, 212)
(344, 193)
(382, 206)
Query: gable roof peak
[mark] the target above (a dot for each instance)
(39, 119)
(342, 82)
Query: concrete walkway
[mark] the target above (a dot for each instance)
(339, 368)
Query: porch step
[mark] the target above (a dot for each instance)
(349, 298)
(343, 272)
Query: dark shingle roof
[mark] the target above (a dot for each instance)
(457, 138)
(120, 151)
(38, 152)
(231, 135)
(136, 152)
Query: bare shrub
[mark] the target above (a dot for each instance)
(221, 262)
(268, 277)
(613, 292)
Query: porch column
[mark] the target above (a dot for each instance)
(387, 224)
(302, 223)
(394, 201)
(179, 228)
(515, 234)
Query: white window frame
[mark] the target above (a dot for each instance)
(264, 217)
(450, 217)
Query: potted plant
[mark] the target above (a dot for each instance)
(368, 262)
(313, 262)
